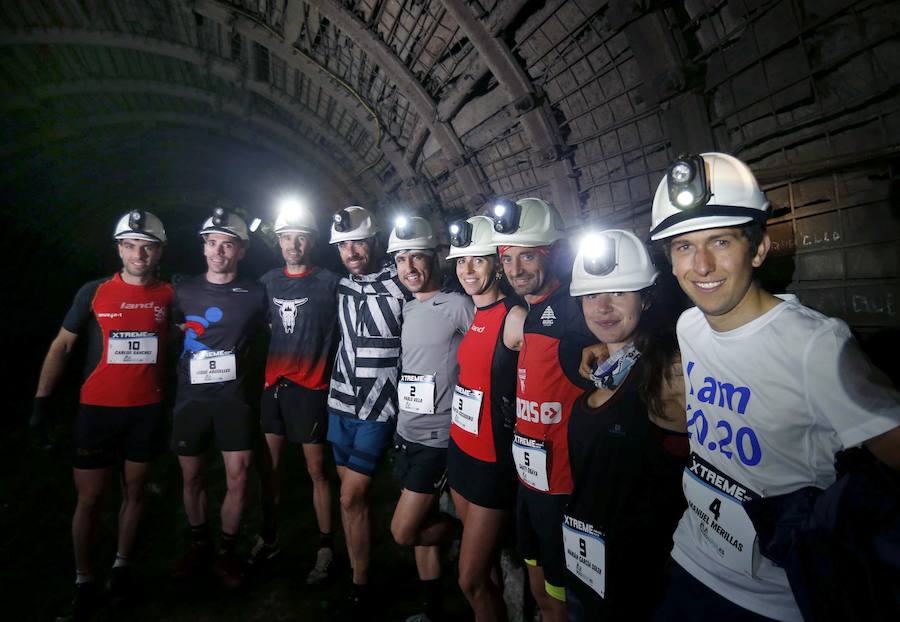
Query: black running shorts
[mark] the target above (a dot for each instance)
(287, 409)
(420, 468)
(488, 484)
(539, 518)
(106, 435)
(198, 422)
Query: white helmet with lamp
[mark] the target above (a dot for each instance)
(294, 217)
(411, 233)
(527, 222)
(227, 223)
(611, 261)
(472, 237)
(140, 225)
(352, 223)
(708, 191)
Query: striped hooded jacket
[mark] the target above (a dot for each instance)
(364, 377)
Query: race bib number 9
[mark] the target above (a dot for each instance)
(466, 409)
(208, 366)
(721, 526)
(132, 348)
(416, 393)
(585, 553)
(530, 456)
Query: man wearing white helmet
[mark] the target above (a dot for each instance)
(120, 419)
(219, 313)
(302, 303)
(362, 401)
(434, 323)
(528, 234)
(774, 391)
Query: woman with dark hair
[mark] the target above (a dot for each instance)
(480, 468)
(627, 438)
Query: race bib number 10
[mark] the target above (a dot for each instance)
(132, 348)
(208, 366)
(720, 524)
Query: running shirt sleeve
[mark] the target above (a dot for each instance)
(845, 389)
(81, 311)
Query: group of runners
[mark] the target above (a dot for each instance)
(557, 399)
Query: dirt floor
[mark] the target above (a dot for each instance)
(37, 497)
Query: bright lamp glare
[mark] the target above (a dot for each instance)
(593, 245)
(291, 207)
(255, 224)
(685, 197)
(454, 229)
(401, 221)
(499, 210)
(681, 173)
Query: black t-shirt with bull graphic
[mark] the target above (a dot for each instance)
(303, 316)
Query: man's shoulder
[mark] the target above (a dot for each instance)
(270, 276)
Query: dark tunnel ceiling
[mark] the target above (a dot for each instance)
(438, 105)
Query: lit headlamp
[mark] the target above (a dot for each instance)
(220, 217)
(460, 233)
(136, 220)
(599, 254)
(403, 228)
(686, 179)
(342, 221)
(505, 214)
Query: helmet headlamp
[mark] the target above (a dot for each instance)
(686, 179)
(219, 217)
(460, 233)
(599, 253)
(136, 220)
(505, 214)
(342, 221)
(403, 228)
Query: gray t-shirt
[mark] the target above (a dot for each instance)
(432, 331)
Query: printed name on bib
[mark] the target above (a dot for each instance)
(132, 348)
(466, 408)
(585, 549)
(416, 393)
(208, 366)
(530, 456)
(721, 525)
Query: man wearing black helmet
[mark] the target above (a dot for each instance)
(219, 313)
(120, 419)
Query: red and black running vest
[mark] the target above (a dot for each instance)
(127, 314)
(487, 365)
(548, 382)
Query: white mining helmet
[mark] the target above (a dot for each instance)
(611, 261)
(352, 223)
(527, 222)
(295, 217)
(227, 223)
(706, 192)
(472, 237)
(411, 233)
(140, 225)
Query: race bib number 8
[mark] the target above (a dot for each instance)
(132, 348)
(585, 554)
(720, 524)
(466, 409)
(530, 456)
(208, 366)
(416, 393)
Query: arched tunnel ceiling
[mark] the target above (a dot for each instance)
(439, 105)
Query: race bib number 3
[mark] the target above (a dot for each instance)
(208, 366)
(721, 525)
(466, 409)
(585, 554)
(416, 393)
(132, 348)
(530, 456)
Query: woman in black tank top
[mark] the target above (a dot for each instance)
(627, 438)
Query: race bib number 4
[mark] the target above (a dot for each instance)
(208, 366)
(416, 393)
(530, 456)
(585, 553)
(466, 409)
(132, 348)
(721, 526)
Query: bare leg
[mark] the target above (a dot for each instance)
(236, 465)
(271, 477)
(91, 485)
(134, 484)
(194, 489)
(315, 465)
(552, 610)
(357, 522)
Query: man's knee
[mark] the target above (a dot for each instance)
(404, 533)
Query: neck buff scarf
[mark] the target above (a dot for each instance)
(610, 373)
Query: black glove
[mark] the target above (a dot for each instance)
(39, 422)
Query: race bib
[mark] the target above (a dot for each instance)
(131, 348)
(466, 409)
(208, 366)
(585, 553)
(530, 456)
(416, 393)
(722, 527)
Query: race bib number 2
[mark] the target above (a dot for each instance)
(721, 525)
(132, 348)
(208, 366)
(585, 553)
(530, 456)
(416, 393)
